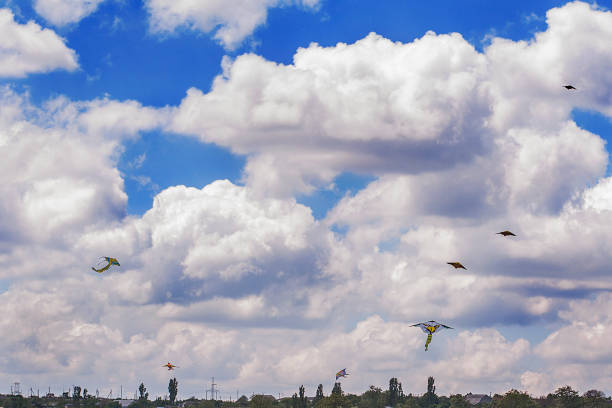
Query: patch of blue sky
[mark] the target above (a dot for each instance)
(4, 285)
(389, 245)
(324, 199)
(595, 123)
(348, 21)
(535, 333)
(339, 230)
(118, 56)
(159, 160)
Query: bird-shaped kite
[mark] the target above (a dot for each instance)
(457, 265)
(341, 373)
(111, 261)
(430, 328)
(506, 233)
(170, 366)
(568, 87)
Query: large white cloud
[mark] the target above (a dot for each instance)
(62, 12)
(58, 175)
(381, 107)
(29, 48)
(373, 106)
(231, 21)
(242, 279)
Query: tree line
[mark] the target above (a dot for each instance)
(374, 397)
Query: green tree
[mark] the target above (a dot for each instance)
(303, 401)
(402, 397)
(458, 401)
(260, 401)
(513, 399)
(142, 392)
(394, 392)
(173, 389)
(318, 396)
(336, 399)
(595, 399)
(76, 393)
(568, 397)
(430, 399)
(294, 400)
(410, 402)
(372, 398)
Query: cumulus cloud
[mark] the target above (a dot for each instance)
(243, 279)
(58, 171)
(231, 21)
(62, 12)
(29, 48)
(373, 106)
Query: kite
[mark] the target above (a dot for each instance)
(568, 87)
(341, 373)
(506, 233)
(430, 328)
(457, 265)
(111, 261)
(170, 366)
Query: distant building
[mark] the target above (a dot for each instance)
(474, 399)
(269, 397)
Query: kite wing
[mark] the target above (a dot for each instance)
(110, 262)
(341, 373)
(423, 327)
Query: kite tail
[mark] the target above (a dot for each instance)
(428, 341)
(101, 269)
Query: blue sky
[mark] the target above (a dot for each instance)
(119, 57)
(354, 172)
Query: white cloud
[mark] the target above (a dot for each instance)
(373, 106)
(231, 21)
(58, 175)
(28, 48)
(244, 281)
(584, 340)
(62, 12)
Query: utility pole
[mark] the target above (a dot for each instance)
(212, 388)
(121, 393)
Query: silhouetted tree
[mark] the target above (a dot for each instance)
(513, 399)
(372, 398)
(430, 398)
(303, 401)
(595, 399)
(261, 401)
(142, 392)
(336, 399)
(568, 397)
(458, 401)
(173, 389)
(393, 395)
(318, 396)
